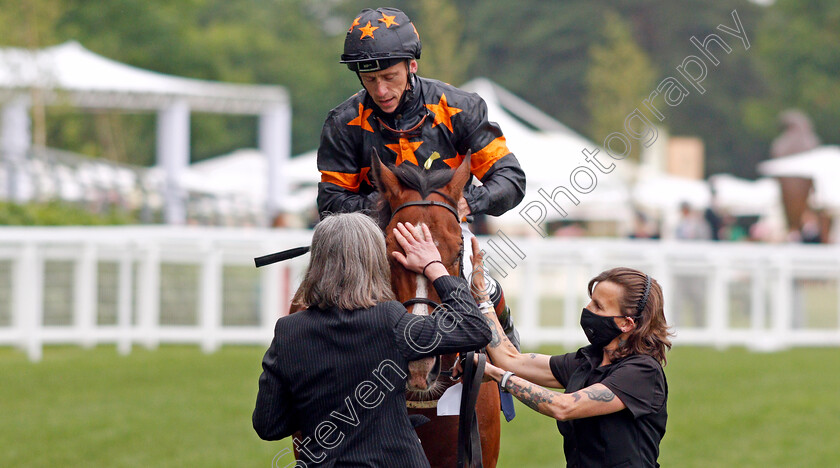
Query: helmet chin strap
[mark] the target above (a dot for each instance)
(409, 86)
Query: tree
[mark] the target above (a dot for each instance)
(30, 25)
(540, 51)
(619, 77)
(797, 43)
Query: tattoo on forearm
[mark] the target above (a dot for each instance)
(495, 339)
(528, 393)
(533, 355)
(604, 395)
(576, 396)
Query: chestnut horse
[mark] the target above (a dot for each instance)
(414, 195)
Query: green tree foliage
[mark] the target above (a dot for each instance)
(540, 50)
(245, 41)
(619, 77)
(537, 49)
(447, 54)
(798, 44)
(59, 214)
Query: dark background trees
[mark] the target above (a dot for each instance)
(588, 63)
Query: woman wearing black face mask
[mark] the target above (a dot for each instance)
(613, 412)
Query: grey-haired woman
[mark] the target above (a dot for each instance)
(337, 370)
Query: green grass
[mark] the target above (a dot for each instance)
(177, 407)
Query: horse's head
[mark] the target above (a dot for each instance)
(420, 197)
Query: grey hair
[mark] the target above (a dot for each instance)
(348, 267)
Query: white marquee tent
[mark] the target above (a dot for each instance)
(549, 153)
(821, 164)
(69, 74)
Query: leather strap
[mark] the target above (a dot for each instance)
(469, 439)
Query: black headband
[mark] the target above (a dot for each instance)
(643, 302)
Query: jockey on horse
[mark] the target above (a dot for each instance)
(415, 120)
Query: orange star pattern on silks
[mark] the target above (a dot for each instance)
(363, 175)
(405, 150)
(443, 113)
(355, 23)
(454, 162)
(415, 31)
(367, 30)
(388, 20)
(362, 119)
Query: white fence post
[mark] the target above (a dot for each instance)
(85, 289)
(782, 304)
(28, 299)
(758, 304)
(717, 305)
(125, 301)
(148, 300)
(210, 298)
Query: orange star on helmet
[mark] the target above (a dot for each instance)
(355, 23)
(367, 30)
(388, 20)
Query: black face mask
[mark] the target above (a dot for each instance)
(599, 330)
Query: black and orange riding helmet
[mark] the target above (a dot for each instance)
(378, 39)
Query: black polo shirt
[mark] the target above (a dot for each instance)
(629, 437)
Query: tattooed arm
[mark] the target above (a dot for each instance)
(594, 400)
(531, 366)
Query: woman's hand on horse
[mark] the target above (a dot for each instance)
(478, 281)
(420, 250)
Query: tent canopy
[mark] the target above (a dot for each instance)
(821, 164)
(549, 153)
(69, 72)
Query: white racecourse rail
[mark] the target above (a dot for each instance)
(148, 285)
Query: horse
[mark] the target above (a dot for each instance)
(411, 194)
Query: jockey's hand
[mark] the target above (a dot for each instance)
(479, 285)
(420, 249)
(463, 209)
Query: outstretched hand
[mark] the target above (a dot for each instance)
(420, 249)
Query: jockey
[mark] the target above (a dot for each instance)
(410, 119)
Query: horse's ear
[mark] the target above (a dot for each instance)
(383, 178)
(461, 176)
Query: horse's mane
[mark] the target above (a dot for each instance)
(414, 178)
(421, 180)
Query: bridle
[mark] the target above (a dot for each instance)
(469, 438)
(449, 206)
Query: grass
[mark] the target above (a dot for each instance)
(177, 407)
